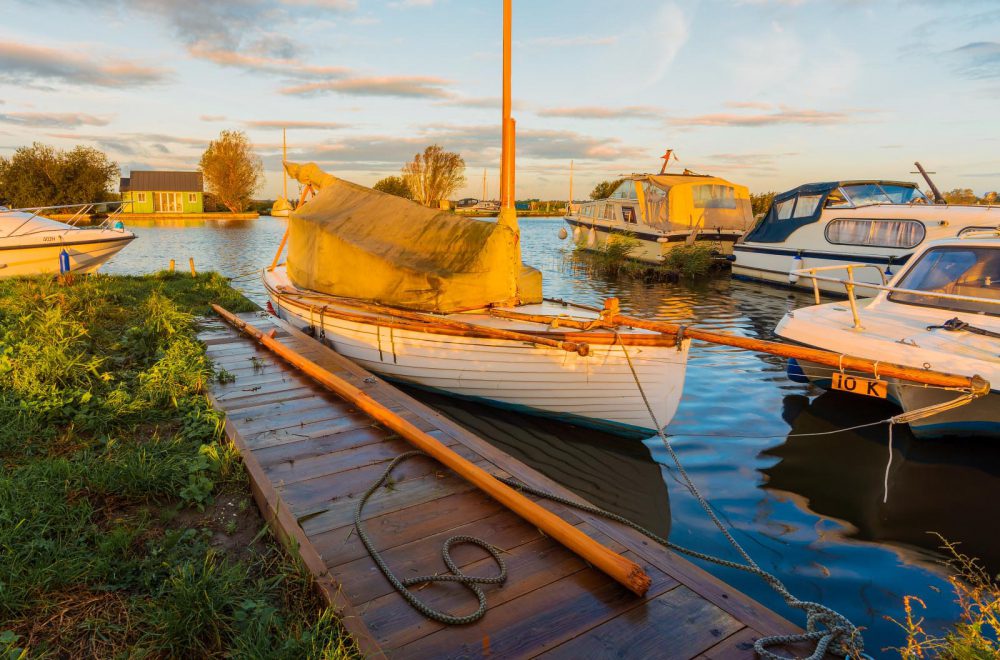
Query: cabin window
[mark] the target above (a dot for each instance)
(192, 197)
(837, 200)
(876, 233)
(783, 211)
(712, 196)
(628, 214)
(963, 271)
(807, 205)
(140, 197)
(626, 190)
(974, 230)
(904, 194)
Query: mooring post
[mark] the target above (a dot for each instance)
(191, 263)
(172, 265)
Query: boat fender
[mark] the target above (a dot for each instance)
(591, 237)
(576, 234)
(796, 265)
(64, 265)
(888, 267)
(562, 234)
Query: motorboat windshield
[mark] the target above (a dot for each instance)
(866, 194)
(956, 270)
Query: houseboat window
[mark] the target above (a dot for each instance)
(784, 209)
(625, 191)
(974, 230)
(876, 233)
(628, 214)
(865, 194)
(608, 212)
(963, 271)
(713, 197)
(837, 200)
(807, 205)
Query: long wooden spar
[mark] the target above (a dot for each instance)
(626, 572)
(975, 384)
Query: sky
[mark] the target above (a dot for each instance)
(767, 93)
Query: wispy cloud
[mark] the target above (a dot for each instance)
(276, 124)
(52, 119)
(335, 5)
(561, 41)
(978, 60)
(286, 66)
(784, 115)
(399, 86)
(212, 117)
(602, 112)
(26, 63)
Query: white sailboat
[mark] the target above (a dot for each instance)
(443, 302)
(31, 244)
(941, 312)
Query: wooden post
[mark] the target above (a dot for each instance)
(623, 570)
(191, 264)
(172, 265)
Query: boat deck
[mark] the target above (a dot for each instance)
(310, 454)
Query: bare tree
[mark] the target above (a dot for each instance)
(233, 171)
(434, 175)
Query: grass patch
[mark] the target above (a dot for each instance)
(126, 524)
(616, 258)
(976, 635)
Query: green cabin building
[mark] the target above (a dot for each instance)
(163, 192)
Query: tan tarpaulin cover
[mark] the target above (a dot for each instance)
(682, 201)
(355, 242)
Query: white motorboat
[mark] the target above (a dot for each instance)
(940, 312)
(876, 223)
(31, 244)
(662, 211)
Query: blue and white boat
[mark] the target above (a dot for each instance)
(876, 223)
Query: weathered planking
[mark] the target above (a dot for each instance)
(310, 455)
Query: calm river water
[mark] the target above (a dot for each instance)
(808, 508)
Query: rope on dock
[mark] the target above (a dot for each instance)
(470, 582)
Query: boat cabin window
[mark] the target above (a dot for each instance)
(864, 194)
(626, 190)
(904, 195)
(713, 196)
(628, 214)
(837, 200)
(806, 205)
(783, 210)
(876, 233)
(963, 271)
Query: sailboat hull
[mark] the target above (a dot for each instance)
(597, 390)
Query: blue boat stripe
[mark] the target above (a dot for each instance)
(829, 256)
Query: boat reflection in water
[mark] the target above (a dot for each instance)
(617, 476)
(942, 486)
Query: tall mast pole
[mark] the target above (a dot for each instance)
(284, 159)
(508, 215)
(484, 185)
(569, 204)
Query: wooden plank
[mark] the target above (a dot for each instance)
(539, 620)
(736, 647)
(261, 438)
(324, 444)
(692, 626)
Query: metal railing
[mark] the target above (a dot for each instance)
(850, 284)
(82, 211)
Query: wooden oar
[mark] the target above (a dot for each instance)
(976, 384)
(484, 330)
(626, 572)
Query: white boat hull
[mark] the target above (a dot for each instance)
(86, 253)
(597, 390)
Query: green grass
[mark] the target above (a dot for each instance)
(126, 525)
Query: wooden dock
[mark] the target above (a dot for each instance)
(310, 454)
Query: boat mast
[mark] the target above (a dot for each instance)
(284, 159)
(484, 185)
(569, 204)
(508, 215)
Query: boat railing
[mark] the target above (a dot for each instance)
(850, 284)
(81, 211)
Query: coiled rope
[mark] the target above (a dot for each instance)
(470, 582)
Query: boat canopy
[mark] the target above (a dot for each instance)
(804, 205)
(355, 242)
(673, 202)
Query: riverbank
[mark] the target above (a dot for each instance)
(127, 527)
(163, 217)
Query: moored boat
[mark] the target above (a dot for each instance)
(663, 211)
(942, 311)
(31, 244)
(872, 222)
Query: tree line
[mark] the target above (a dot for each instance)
(41, 175)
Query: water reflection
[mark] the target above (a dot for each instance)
(944, 487)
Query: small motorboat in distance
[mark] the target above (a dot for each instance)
(941, 312)
(663, 211)
(875, 223)
(31, 244)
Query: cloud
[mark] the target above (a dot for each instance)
(784, 115)
(287, 66)
(335, 5)
(978, 60)
(559, 41)
(398, 86)
(600, 112)
(212, 117)
(52, 119)
(752, 105)
(26, 63)
(275, 124)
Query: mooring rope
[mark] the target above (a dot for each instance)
(824, 625)
(470, 582)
